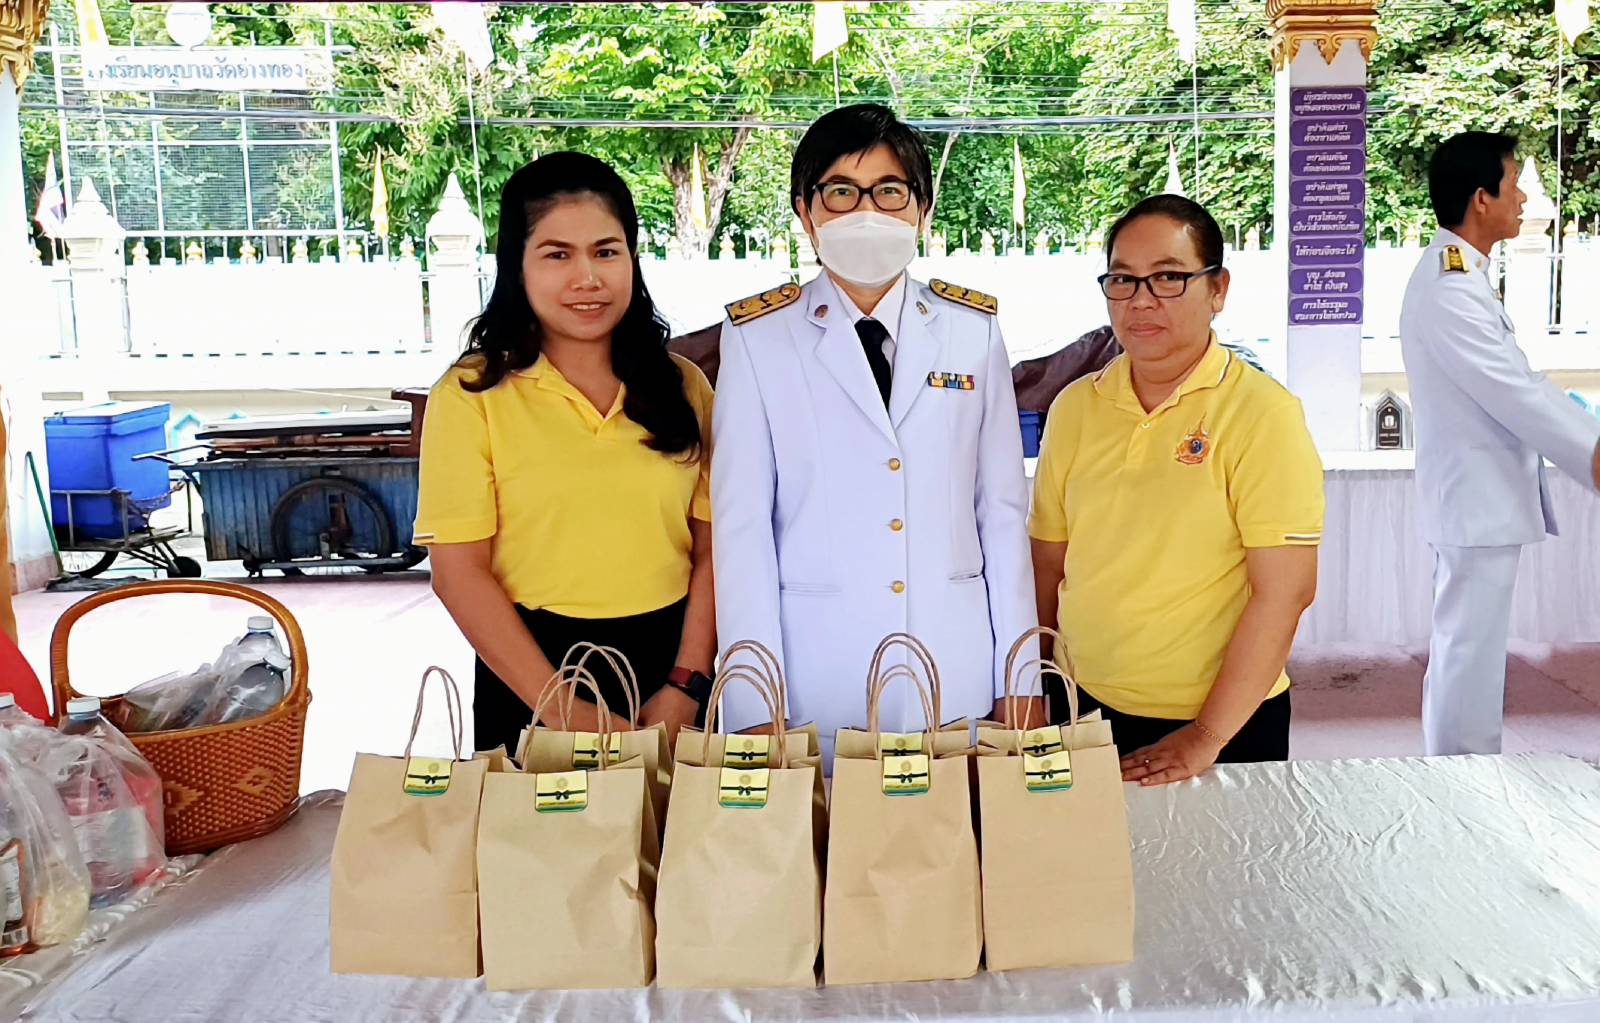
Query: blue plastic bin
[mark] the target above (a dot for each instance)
(93, 448)
(1030, 432)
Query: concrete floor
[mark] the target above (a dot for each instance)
(370, 638)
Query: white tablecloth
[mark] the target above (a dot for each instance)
(1461, 889)
(1376, 575)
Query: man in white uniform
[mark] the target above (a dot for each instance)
(1485, 423)
(867, 473)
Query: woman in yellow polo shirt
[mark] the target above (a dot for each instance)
(564, 492)
(1177, 509)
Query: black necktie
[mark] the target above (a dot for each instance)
(873, 334)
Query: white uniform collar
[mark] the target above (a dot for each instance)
(1475, 259)
(887, 312)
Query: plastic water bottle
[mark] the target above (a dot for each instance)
(258, 639)
(110, 800)
(256, 690)
(11, 714)
(16, 877)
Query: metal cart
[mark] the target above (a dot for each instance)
(302, 515)
(86, 557)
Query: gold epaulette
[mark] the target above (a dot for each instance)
(757, 306)
(966, 296)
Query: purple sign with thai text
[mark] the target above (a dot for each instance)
(1328, 101)
(1327, 205)
(1326, 251)
(1318, 222)
(1327, 163)
(1325, 312)
(1323, 192)
(1328, 131)
(1335, 280)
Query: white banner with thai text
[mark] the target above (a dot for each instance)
(214, 68)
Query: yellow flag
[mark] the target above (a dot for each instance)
(91, 30)
(1573, 18)
(829, 31)
(697, 197)
(380, 200)
(1019, 187)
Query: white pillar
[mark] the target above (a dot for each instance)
(32, 560)
(94, 253)
(1324, 360)
(1529, 270)
(453, 296)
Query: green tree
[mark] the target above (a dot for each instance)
(1488, 65)
(695, 63)
(1134, 70)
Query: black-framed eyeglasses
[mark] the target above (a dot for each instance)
(891, 196)
(1166, 284)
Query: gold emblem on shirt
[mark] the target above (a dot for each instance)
(1453, 260)
(1196, 447)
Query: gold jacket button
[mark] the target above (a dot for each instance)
(896, 525)
(898, 587)
(894, 465)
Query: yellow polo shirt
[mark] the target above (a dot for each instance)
(587, 522)
(1157, 510)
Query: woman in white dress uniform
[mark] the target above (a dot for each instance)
(867, 473)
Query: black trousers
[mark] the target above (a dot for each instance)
(649, 641)
(1265, 737)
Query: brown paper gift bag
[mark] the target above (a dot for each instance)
(902, 894)
(564, 879)
(1057, 864)
(404, 896)
(629, 740)
(740, 901)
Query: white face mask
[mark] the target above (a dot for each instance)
(867, 248)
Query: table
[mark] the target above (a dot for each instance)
(1376, 574)
(1451, 889)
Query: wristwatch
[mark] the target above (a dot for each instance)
(696, 685)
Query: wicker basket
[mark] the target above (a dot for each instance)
(222, 783)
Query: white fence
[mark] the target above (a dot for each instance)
(210, 310)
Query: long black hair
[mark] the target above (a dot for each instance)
(506, 337)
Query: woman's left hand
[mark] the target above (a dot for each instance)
(671, 705)
(1183, 754)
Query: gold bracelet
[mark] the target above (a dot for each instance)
(1209, 734)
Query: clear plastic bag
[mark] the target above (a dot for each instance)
(45, 880)
(171, 701)
(112, 798)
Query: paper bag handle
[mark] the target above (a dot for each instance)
(742, 673)
(931, 670)
(880, 682)
(769, 661)
(620, 666)
(452, 706)
(570, 679)
(1051, 668)
(1013, 671)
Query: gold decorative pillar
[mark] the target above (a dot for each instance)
(1319, 205)
(21, 25)
(1327, 23)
